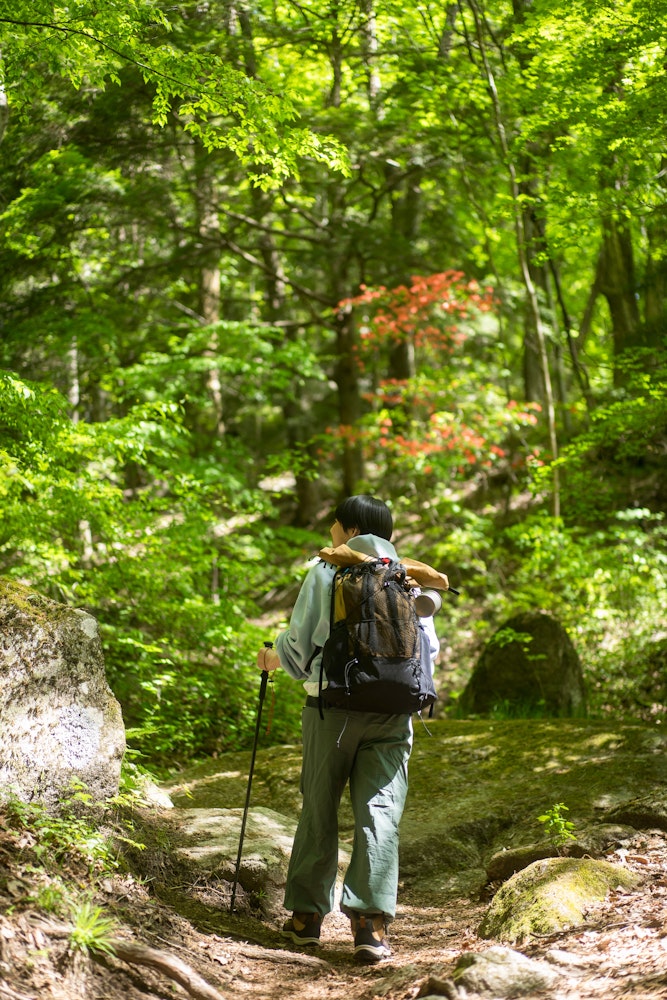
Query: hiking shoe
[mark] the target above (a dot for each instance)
(370, 941)
(303, 928)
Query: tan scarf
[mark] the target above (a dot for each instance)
(420, 574)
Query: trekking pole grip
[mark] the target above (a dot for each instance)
(265, 673)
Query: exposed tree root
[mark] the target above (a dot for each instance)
(174, 968)
(278, 956)
(140, 954)
(7, 993)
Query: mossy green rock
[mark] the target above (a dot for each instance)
(550, 895)
(540, 673)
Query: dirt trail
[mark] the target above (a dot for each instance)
(621, 952)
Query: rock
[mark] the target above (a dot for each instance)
(150, 794)
(209, 841)
(570, 960)
(591, 841)
(528, 667)
(60, 720)
(504, 864)
(596, 839)
(550, 895)
(497, 972)
(645, 812)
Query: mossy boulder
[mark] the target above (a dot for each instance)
(551, 895)
(528, 667)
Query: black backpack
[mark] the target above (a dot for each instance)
(377, 657)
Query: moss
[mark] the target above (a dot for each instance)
(550, 895)
(476, 788)
(31, 605)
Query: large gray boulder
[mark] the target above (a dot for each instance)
(208, 841)
(60, 720)
(528, 667)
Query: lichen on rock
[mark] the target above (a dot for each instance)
(60, 720)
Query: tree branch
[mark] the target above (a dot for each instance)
(250, 258)
(65, 30)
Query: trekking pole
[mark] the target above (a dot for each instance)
(262, 694)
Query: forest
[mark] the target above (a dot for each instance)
(256, 256)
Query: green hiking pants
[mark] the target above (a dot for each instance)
(370, 751)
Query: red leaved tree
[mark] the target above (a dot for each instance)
(449, 418)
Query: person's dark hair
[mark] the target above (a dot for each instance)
(369, 515)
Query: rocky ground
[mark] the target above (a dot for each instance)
(620, 952)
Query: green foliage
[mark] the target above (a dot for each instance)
(92, 931)
(606, 585)
(625, 443)
(52, 896)
(72, 834)
(558, 829)
(169, 333)
(179, 656)
(210, 98)
(505, 636)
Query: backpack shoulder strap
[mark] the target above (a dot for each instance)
(332, 617)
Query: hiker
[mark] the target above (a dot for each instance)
(368, 749)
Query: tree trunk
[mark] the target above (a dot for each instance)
(405, 215)
(349, 401)
(619, 287)
(294, 407)
(656, 274)
(521, 244)
(276, 309)
(208, 225)
(369, 44)
(533, 375)
(4, 108)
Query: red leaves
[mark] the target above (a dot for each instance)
(445, 421)
(425, 311)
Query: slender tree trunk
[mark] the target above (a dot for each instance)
(534, 244)
(276, 308)
(369, 49)
(4, 107)
(533, 373)
(572, 344)
(655, 314)
(208, 224)
(619, 287)
(74, 387)
(521, 242)
(405, 215)
(297, 424)
(349, 400)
